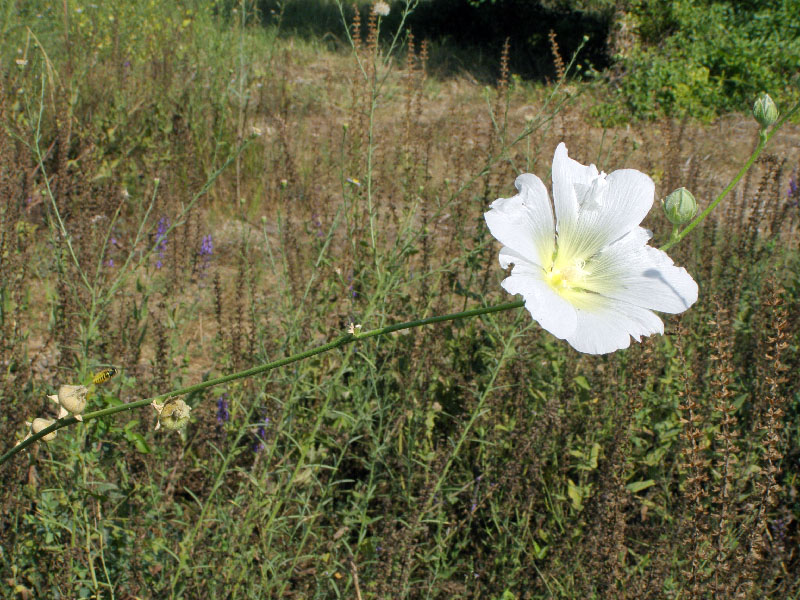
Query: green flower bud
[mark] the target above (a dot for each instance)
(71, 400)
(173, 414)
(765, 111)
(38, 425)
(680, 206)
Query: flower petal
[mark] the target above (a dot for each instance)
(641, 275)
(524, 223)
(547, 308)
(627, 201)
(567, 173)
(594, 210)
(605, 325)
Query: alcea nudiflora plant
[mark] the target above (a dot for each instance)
(575, 285)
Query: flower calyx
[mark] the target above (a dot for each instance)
(173, 414)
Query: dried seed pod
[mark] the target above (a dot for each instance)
(38, 425)
(173, 414)
(71, 399)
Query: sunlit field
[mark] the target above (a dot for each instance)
(189, 191)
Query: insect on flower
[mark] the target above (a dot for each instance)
(582, 263)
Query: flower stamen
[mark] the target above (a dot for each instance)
(568, 277)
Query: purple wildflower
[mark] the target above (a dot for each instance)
(110, 262)
(318, 225)
(207, 247)
(161, 240)
(205, 254)
(261, 435)
(779, 528)
(351, 287)
(223, 415)
(792, 192)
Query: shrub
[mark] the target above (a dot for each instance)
(703, 57)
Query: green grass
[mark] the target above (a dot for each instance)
(480, 458)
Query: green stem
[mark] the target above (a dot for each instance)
(763, 139)
(342, 340)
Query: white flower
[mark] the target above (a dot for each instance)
(381, 9)
(586, 273)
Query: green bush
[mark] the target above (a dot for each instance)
(705, 57)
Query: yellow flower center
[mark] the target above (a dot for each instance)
(567, 277)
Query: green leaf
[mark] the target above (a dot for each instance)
(581, 382)
(638, 486)
(575, 495)
(594, 455)
(139, 442)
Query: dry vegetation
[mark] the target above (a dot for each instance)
(481, 458)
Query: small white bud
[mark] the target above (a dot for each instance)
(381, 9)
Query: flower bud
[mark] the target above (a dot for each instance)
(173, 414)
(765, 111)
(71, 399)
(680, 206)
(38, 425)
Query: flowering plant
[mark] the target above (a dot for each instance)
(582, 263)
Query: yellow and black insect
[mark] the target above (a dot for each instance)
(104, 375)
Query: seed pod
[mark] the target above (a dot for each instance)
(38, 425)
(71, 399)
(173, 414)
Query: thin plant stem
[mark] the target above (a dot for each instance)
(342, 340)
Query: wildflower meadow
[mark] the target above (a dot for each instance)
(437, 299)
